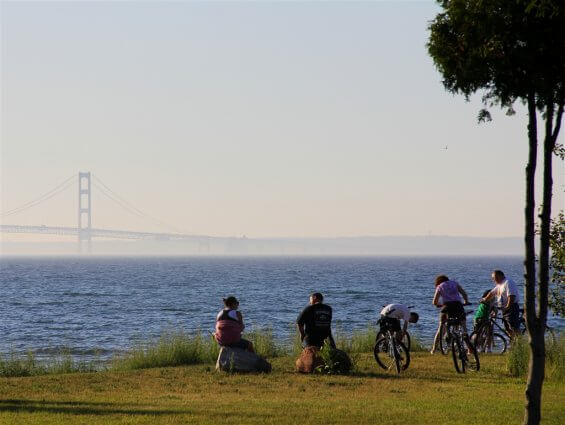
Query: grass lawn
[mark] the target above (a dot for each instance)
(429, 392)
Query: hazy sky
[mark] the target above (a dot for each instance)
(251, 118)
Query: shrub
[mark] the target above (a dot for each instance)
(335, 361)
(517, 361)
(518, 358)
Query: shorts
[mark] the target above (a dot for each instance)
(317, 340)
(454, 309)
(242, 343)
(512, 316)
(390, 323)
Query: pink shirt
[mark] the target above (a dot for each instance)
(449, 292)
(228, 331)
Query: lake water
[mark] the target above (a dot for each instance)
(103, 305)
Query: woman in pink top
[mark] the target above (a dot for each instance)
(451, 294)
(229, 326)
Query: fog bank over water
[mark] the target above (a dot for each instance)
(369, 245)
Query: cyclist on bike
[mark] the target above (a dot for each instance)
(482, 317)
(452, 295)
(483, 311)
(396, 312)
(506, 294)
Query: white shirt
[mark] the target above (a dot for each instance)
(503, 290)
(396, 311)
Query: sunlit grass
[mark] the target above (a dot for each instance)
(28, 365)
(519, 354)
(196, 394)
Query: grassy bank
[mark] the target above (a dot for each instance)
(429, 392)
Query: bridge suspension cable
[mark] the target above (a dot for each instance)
(48, 195)
(132, 209)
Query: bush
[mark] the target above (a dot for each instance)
(517, 361)
(555, 352)
(519, 354)
(335, 361)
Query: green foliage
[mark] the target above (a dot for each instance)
(180, 348)
(28, 365)
(335, 361)
(557, 243)
(555, 352)
(171, 349)
(508, 49)
(518, 358)
(264, 343)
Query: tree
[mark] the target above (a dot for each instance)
(513, 50)
(557, 242)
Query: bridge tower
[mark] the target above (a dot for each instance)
(84, 209)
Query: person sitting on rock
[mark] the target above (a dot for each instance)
(314, 323)
(229, 326)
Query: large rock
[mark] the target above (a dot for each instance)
(309, 360)
(239, 360)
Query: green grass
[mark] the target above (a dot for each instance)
(429, 392)
(519, 354)
(28, 365)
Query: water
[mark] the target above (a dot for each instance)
(99, 306)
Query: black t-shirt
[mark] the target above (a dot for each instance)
(317, 320)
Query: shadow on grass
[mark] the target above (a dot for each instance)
(82, 408)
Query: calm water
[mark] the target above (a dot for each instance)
(103, 305)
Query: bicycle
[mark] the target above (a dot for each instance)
(405, 337)
(389, 352)
(464, 353)
(485, 339)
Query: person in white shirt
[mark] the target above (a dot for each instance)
(396, 313)
(507, 298)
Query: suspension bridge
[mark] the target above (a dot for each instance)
(84, 232)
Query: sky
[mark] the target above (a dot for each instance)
(264, 119)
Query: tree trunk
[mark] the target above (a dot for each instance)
(533, 396)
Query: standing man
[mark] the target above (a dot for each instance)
(507, 298)
(314, 323)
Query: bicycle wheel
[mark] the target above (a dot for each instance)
(383, 355)
(402, 357)
(498, 344)
(471, 357)
(406, 340)
(444, 341)
(459, 355)
(479, 338)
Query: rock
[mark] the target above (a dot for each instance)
(309, 360)
(239, 360)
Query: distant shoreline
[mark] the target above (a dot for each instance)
(330, 246)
